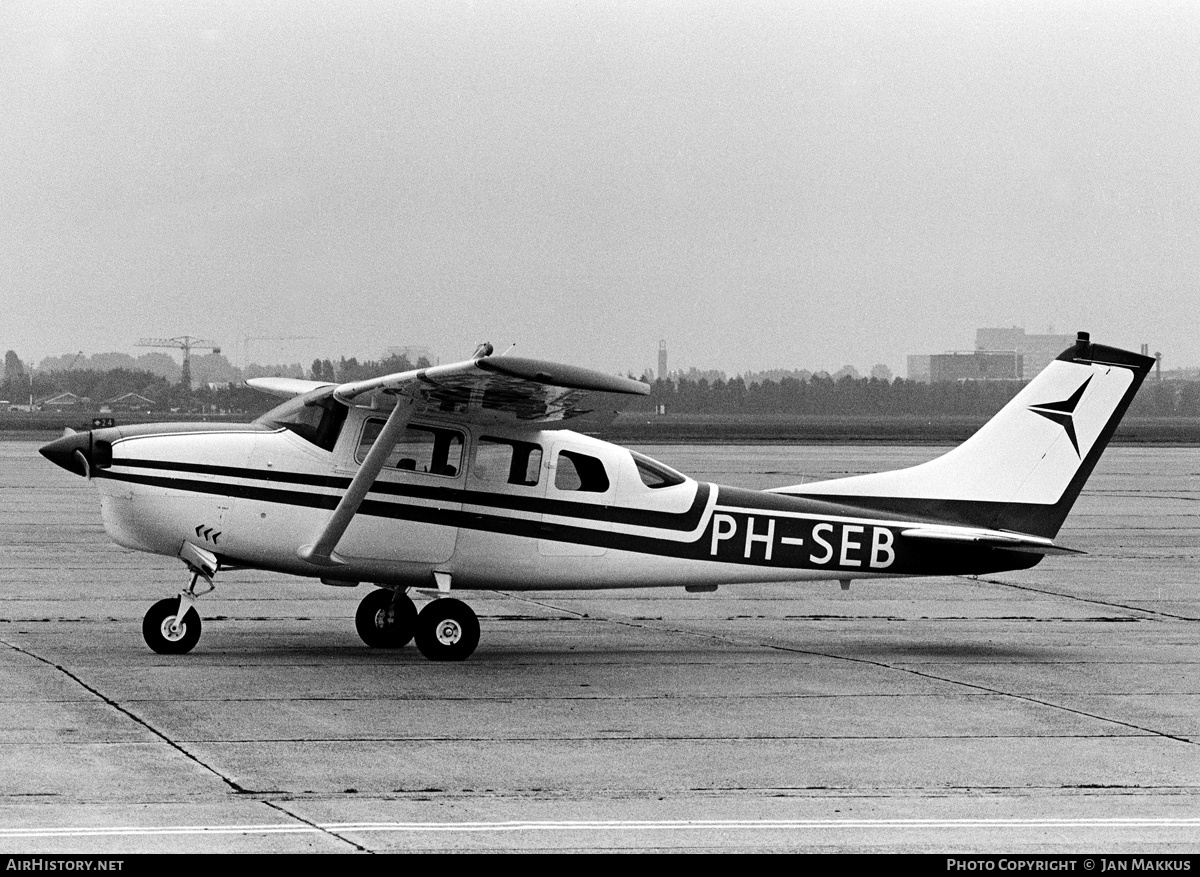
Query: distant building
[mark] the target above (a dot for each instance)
(979, 365)
(999, 355)
(61, 401)
(127, 402)
(662, 360)
(1038, 350)
(918, 367)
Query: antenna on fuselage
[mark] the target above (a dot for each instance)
(510, 349)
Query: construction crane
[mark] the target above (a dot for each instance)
(187, 344)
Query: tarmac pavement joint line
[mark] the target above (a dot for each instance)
(128, 714)
(1020, 587)
(303, 825)
(330, 830)
(663, 628)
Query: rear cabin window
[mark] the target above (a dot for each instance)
(580, 472)
(316, 418)
(507, 461)
(426, 449)
(654, 474)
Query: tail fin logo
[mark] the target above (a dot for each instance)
(1063, 413)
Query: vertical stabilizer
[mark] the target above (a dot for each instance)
(1024, 469)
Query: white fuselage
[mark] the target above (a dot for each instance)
(255, 497)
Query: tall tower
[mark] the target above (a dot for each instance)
(662, 360)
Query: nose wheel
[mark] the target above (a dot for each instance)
(447, 630)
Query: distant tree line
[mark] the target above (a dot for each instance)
(823, 395)
(352, 370)
(97, 386)
(93, 386)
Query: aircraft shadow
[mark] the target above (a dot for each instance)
(945, 652)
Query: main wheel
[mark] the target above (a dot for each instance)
(156, 628)
(386, 619)
(447, 630)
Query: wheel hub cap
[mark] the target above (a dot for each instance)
(172, 632)
(449, 632)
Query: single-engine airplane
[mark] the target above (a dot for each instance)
(451, 478)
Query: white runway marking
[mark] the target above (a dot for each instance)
(597, 825)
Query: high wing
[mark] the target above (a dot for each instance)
(482, 389)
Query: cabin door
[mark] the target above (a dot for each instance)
(411, 512)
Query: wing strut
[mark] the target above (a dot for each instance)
(321, 552)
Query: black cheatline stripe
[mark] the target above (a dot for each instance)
(955, 512)
(235, 472)
(529, 528)
(952, 512)
(952, 561)
(235, 491)
(675, 521)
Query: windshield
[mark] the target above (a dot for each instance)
(316, 417)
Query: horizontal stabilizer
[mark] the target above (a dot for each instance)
(988, 539)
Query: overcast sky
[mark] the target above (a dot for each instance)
(794, 184)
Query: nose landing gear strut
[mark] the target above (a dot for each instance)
(172, 626)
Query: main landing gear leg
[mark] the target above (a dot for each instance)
(172, 626)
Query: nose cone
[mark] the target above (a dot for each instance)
(70, 452)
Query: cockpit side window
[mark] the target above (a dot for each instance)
(427, 449)
(580, 472)
(507, 461)
(654, 474)
(315, 417)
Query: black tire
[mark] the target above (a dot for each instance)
(386, 619)
(156, 628)
(447, 630)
